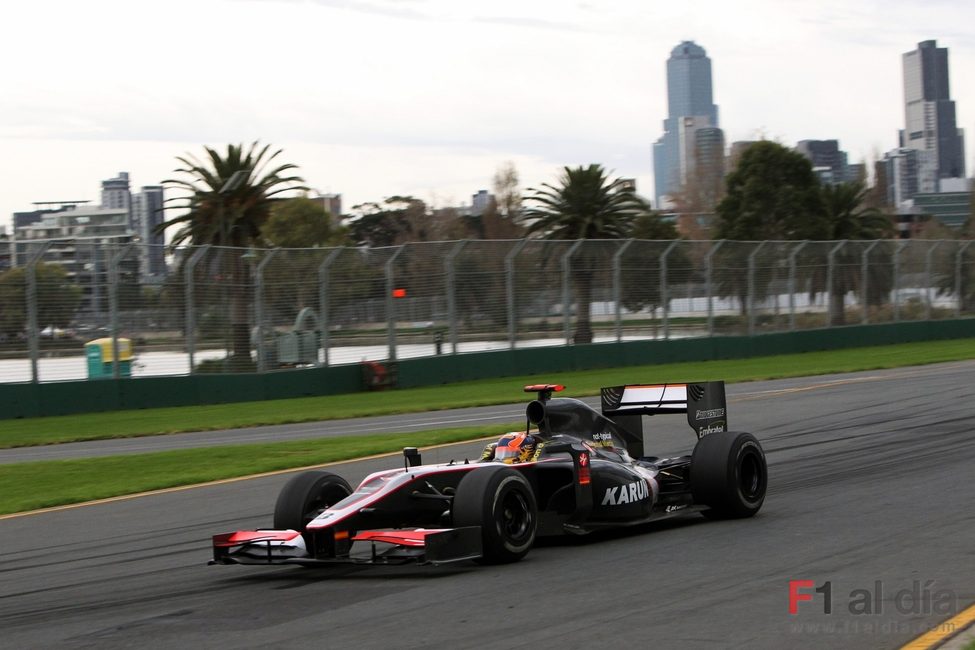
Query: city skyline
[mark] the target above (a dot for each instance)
(426, 97)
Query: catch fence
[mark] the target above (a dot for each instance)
(261, 310)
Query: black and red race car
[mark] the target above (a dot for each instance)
(584, 471)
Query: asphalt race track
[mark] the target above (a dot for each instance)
(871, 489)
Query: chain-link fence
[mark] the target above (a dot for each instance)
(75, 309)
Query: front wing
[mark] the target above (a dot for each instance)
(401, 546)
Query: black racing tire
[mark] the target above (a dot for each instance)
(501, 501)
(305, 496)
(729, 474)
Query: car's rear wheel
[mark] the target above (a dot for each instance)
(729, 474)
(500, 501)
(305, 496)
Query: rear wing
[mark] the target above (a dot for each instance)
(704, 403)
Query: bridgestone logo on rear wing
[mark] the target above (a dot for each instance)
(704, 403)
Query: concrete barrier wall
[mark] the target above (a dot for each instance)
(62, 398)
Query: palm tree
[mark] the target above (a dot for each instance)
(586, 204)
(848, 218)
(227, 198)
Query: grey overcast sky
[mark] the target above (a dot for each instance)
(373, 98)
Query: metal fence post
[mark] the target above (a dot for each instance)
(259, 304)
(618, 286)
(751, 288)
(865, 280)
(897, 280)
(33, 339)
(960, 299)
(664, 286)
(830, 260)
(323, 269)
(792, 285)
(707, 283)
(566, 298)
(188, 270)
(96, 290)
(113, 306)
(391, 304)
(451, 292)
(928, 299)
(509, 280)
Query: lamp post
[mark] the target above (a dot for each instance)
(235, 181)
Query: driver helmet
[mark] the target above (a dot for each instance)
(515, 448)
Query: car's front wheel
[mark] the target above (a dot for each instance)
(305, 496)
(501, 501)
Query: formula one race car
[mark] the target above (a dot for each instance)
(578, 471)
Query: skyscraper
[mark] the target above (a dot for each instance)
(828, 160)
(147, 215)
(929, 112)
(115, 192)
(689, 95)
(480, 202)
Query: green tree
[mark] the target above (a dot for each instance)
(849, 218)
(641, 269)
(397, 220)
(57, 298)
(773, 194)
(292, 275)
(297, 223)
(227, 199)
(651, 225)
(586, 204)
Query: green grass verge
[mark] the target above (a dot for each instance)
(43, 484)
(29, 486)
(120, 424)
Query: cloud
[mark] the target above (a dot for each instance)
(392, 8)
(535, 23)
